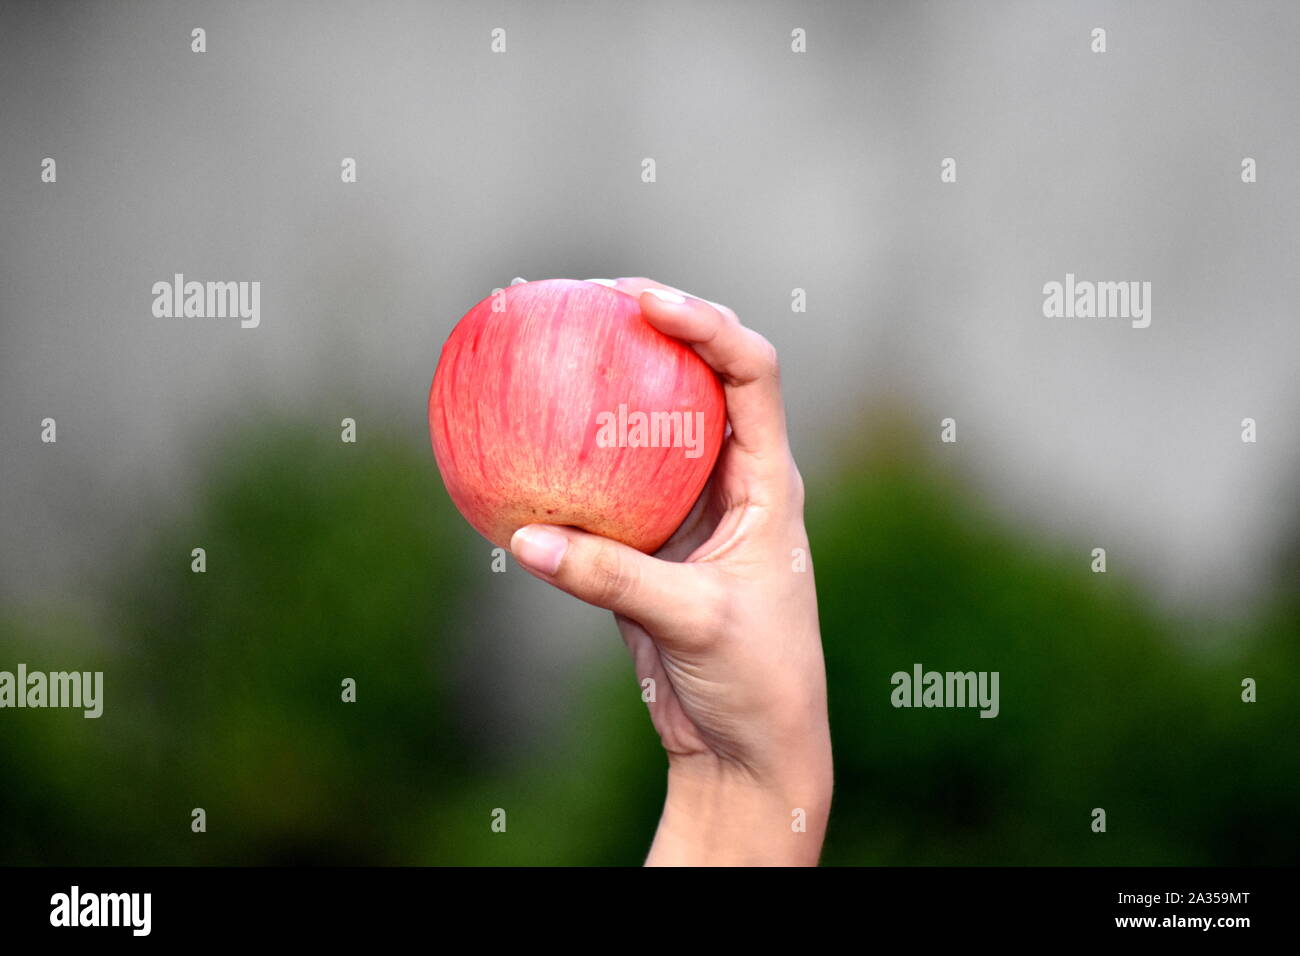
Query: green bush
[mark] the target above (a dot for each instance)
(325, 562)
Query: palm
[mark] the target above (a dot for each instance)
(679, 714)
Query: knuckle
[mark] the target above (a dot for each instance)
(609, 576)
(797, 493)
(727, 312)
(755, 358)
(766, 360)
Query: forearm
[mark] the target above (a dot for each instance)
(718, 817)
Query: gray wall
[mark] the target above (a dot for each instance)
(775, 170)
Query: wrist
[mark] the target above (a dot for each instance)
(717, 814)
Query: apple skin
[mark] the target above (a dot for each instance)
(514, 406)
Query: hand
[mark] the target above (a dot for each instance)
(723, 619)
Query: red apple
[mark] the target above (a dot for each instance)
(564, 406)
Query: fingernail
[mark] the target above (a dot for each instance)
(539, 548)
(609, 282)
(666, 296)
(518, 280)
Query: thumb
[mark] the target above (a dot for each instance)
(604, 572)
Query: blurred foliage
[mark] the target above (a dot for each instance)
(326, 561)
(1102, 704)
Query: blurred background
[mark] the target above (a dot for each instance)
(775, 171)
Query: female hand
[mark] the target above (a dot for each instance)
(723, 619)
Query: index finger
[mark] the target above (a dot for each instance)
(746, 362)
